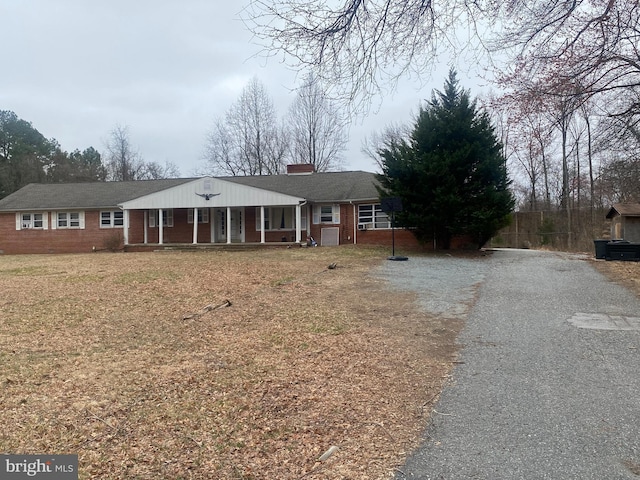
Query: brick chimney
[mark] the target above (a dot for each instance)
(300, 169)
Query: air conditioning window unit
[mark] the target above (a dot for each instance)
(365, 226)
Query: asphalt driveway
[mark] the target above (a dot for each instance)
(549, 381)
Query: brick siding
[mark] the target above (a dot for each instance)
(60, 240)
(14, 241)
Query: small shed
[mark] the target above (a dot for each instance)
(625, 221)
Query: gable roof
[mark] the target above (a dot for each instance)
(329, 187)
(624, 209)
(220, 192)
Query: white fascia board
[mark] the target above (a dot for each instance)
(221, 193)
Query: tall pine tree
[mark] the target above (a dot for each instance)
(451, 174)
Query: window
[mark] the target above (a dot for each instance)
(278, 218)
(167, 218)
(111, 219)
(203, 215)
(69, 220)
(222, 222)
(326, 214)
(267, 221)
(27, 221)
(372, 217)
(303, 218)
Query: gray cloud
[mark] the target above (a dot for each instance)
(166, 69)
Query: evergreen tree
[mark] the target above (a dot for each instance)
(24, 153)
(451, 174)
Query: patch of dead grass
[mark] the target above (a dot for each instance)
(624, 273)
(97, 359)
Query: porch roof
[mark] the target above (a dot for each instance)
(211, 192)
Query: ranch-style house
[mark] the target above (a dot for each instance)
(331, 208)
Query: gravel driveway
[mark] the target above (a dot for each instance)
(549, 384)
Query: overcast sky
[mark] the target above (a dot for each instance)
(166, 69)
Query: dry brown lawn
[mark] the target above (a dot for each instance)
(626, 274)
(122, 359)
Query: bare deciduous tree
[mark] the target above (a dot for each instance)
(316, 128)
(249, 141)
(154, 171)
(123, 162)
(527, 140)
(392, 134)
(358, 44)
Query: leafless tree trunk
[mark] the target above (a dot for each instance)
(316, 127)
(249, 141)
(123, 162)
(592, 192)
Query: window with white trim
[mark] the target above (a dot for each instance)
(203, 215)
(167, 218)
(111, 219)
(28, 221)
(372, 217)
(68, 220)
(326, 214)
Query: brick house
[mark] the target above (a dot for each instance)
(333, 208)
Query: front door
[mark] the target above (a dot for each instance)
(236, 225)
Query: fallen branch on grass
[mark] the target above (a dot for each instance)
(381, 426)
(112, 427)
(205, 309)
(427, 403)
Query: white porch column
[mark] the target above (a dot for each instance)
(160, 226)
(125, 219)
(195, 226)
(262, 233)
(213, 218)
(298, 223)
(228, 224)
(146, 226)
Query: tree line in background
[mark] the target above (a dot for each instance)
(27, 156)
(249, 140)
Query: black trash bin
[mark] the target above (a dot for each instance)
(623, 250)
(601, 248)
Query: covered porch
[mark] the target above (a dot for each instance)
(211, 211)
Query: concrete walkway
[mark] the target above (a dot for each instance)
(549, 387)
